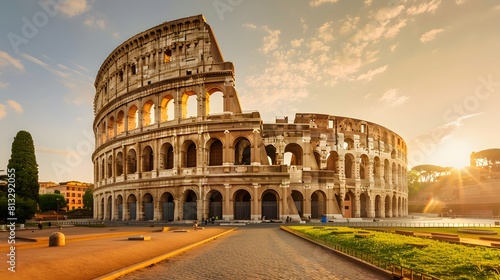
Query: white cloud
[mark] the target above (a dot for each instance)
(325, 32)
(297, 43)
(426, 7)
(318, 46)
(460, 2)
(270, 41)
(393, 98)
(349, 24)
(7, 60)
(430, 35)
(71, 8)
(249, 26)
(15, 106)
(3, 111)
(316, 3)
(393, 30)
(368, 76)
(388, 13)
(93, 22)
(393, 47)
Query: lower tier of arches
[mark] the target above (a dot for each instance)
(253, 202)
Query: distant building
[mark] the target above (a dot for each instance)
(73, 191)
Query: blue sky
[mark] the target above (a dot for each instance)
(428, 70)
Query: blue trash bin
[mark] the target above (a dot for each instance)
(323, 219)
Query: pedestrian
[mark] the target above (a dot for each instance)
(40, 226)
(50, 224)
(195, 226)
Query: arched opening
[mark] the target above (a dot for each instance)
(190, 209)
(167, 206)
(364, 203)
(119, 164)
(387, 171)
(348, 144)
(364, 167)
(132, 207)
(110, 166)
(108, 207)
(394, 175)
(103, 175)
(271, 154)
(111, 127)
(270, 208)
(349, 167)
(242, 205)
(332, 161)
(215, 205)
(242, 152)
(166, 156)
(295, 154)
(167, 109)
(119, 207)
(189, 105)
(388, 212)
(148, 113)
(298, 200)
(395, 207)
(378, 207)
(189, 158)
(318, 204)
(215, 102)
(120, 123)
(133, 118)
(215, 154)
(147, 159)
(376, 168)
(131, 162)
(348, 203)
(148, 208)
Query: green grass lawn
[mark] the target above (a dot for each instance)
(436, 258)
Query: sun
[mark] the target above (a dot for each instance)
(453, 153)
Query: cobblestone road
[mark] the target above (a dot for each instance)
(256, 253)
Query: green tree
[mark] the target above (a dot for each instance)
(413, 183)
(23, 161)
(88, 200)
(24, 209)
(51, 202)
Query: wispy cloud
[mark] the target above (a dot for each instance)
(71, 8)
(369, 75)
(316, 3)
(423, 7)
(250, 26)
(393, 98)
(6, 60)
(15, 106)
(430, 35)
(3, 111)
(94, 22)
(270, 41)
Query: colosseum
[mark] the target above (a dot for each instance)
(173, 143)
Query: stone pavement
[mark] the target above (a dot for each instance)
(92, 253)
(258, 253)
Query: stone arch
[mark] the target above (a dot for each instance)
(167, 108)
(167, 206)
(348, 144)
(190, 206)
(364, 204)
(111, 127)
(132, 207)
(119, 207)
(148, 207)
(332, 161)
(242, 151)
(188, 154)
(318, 204)
(110, 166)
(388, 209)
(270, 205)
(242, 205)
(215, 101)
(133, 118)
(364, 167)
(295, 154)
(215, 204)
(119, 164)
(131, 161)
(108, 207)
(215, 157)
(271, 154)
(298, 200)
(378, 207)
(147, 159)
(349, 205)
(120, 123)
(394, 206)
(349, 166)
(387, 170)
(148, 113)
(166, 156)
(376, 168)
(189, 105)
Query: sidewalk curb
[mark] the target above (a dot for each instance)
(123, 271)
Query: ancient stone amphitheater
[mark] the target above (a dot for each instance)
(173, 143)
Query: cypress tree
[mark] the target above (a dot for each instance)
(23, 161)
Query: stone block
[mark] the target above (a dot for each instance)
(57, 239)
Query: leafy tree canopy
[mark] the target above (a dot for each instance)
(48, 202)
(88, 201)
(23, 161)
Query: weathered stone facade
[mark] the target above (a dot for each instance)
(155, 162)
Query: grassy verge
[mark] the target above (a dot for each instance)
(440, 259)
